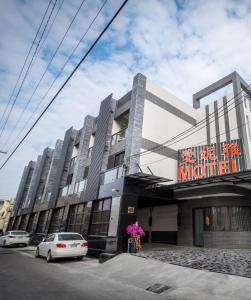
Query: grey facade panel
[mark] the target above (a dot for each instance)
(52, 174)
(34, 182)
(59, 176)
(24, 187)
(134, 131)
(20, 190)
(41, 175)
(168, 107)
(84, 142)
(125, 99)
(101, 146)
(159, 149)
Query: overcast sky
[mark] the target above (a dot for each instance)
(182, 45)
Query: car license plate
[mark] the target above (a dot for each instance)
(74, 245)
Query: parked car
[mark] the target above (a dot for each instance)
(62, 244)
(15, 237)
(36, 238)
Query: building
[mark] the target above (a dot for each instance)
(5, 213)
(182, 172)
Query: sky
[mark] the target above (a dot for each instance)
(182, 45)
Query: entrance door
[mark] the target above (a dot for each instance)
(198, 227)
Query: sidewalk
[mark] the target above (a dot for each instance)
(182, 283)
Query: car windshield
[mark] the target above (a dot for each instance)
(70, 237)
(19, 232)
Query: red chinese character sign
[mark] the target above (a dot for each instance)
(210, 160)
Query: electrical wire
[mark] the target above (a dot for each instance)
(49, 29)
(27, 72)
(66, 81)
(199, 144)
(26, 58)
(59, 73)
(204, 120)
(45, 71)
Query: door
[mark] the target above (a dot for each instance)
(198, 227)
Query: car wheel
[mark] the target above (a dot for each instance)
(25, 245)
(37, 253)
(80, 257)
(49, 257)
(4, 244)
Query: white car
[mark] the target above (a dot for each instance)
(62, 244)
(15, 237)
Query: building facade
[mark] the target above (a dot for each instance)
(5, 213)
(182, 172)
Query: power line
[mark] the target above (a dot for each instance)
(49, 29)
(26, 58)
(197, 144)
(68, 78)
(27, 71)
(204, 120)
(46, 69)
(59, 73)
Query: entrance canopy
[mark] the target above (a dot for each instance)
(236, 184)
(145, 179)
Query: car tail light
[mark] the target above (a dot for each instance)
(11, 236)
(85, 244)
(60, 245)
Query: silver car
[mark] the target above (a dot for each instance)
(15, 237)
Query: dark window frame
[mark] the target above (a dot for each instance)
(100, 218)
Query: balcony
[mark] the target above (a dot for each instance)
(89, 153)
(119, 136)
(65, 190)
(111, 175)
(80, 186)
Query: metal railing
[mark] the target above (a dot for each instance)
(111, 175)
(119, 136)
(80, 186)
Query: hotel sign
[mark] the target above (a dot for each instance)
(210, 160)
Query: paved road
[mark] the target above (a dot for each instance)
(24, 277)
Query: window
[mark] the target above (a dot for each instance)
(70, 237)
(86, 171)
(101, 217)
(76, 218)
(31, 222)
(69, 179)
(23, 222)
(119, 159)
(56, 219)
(232, 218)
(42, 220)
(80, 186)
